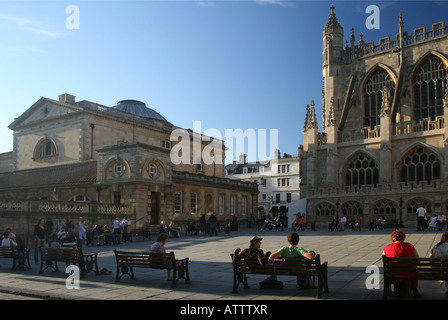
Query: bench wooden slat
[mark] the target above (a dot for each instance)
(7, 252)
(149, 230)
(299, 266)
(51, 256)
(127, 260)
(20, 259)
(413, 268)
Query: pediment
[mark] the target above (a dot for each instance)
(43, 110)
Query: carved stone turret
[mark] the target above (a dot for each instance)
(333, 39)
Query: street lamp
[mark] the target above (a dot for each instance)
(400, 203)
(337, 211)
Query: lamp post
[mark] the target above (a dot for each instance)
(337, 211)
(400, 203)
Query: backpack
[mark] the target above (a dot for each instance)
(270, 283)
(305, 282)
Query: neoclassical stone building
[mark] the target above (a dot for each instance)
(81, 158)
(383, 144)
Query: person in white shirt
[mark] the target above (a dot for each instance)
(8, 240)
(117, 231)
(421, 212)
(342, 223)
(441, 218)
(124, 223)
(433, 222)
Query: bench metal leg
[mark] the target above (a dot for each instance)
(235, 283)
(91, 263)
(239, 278)
(124, 270)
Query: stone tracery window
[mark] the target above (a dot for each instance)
(385, 207)
(361, 170)
(351, 208)
(420, 165)
(325, 209)
(373, 96)
(413, 204)
(429, 81)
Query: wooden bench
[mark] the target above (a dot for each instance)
(51, 257)
(20, 259)
(299, 266)
(413, 269)
(127, 260)
(149, 230)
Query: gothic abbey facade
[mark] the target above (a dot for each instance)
(383, 146)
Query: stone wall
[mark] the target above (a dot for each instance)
(22, 215)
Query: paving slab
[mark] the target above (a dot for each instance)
(348, 254)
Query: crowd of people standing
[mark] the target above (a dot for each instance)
(67, 233)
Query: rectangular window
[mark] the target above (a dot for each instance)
(178, 202)
(166, 144)
(244, 205)
(277, 197)
(221, 201)
(194, 203)
(288, 197)
(232, 205)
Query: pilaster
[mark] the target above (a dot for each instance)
(386, 138)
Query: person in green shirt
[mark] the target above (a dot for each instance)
(292, 250)
(303, 282)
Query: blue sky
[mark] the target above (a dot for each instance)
(249, 64)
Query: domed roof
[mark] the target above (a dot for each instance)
(139, 109)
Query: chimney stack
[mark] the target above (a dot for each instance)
(66, 98)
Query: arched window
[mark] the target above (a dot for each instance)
(361, 170)
(420, 165)
(413, 204)
(351, 208)
(325, 209)
(429, 81)
(45, 148)
(373, 96)
(385, 208)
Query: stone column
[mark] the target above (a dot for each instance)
(386, 138)
(332, 149)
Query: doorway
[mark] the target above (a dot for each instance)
(155, 207)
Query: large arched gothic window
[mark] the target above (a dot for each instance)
(420, 165)
(429, 81)
(373, 96)
(361, 170)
